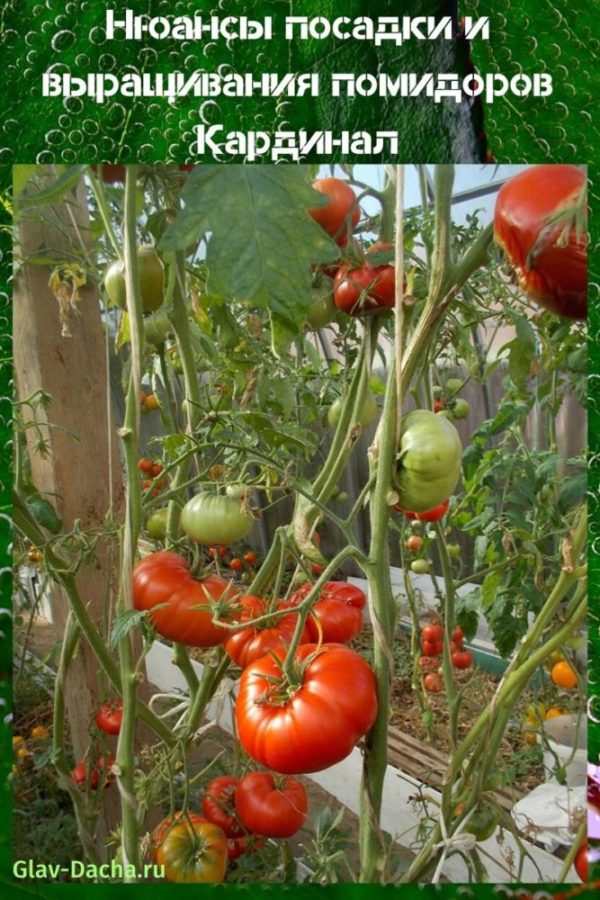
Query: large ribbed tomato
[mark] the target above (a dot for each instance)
(215, 519)
(271, 805)
(250, 643)
(164, 579)
(312, 723)
(429, 460)
(549, 270)
(192, 850)
(338, 611)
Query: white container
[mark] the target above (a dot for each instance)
(566, 746)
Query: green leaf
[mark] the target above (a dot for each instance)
(467, 609)
(522, 351)
(55, 191)
(21, 175)
(572, 492)
(489, 589)
(262, 240)
(124, 623)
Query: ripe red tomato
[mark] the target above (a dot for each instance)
(236, 564)
(213, 552)
(433, 632)
(79, 775)
(430, 515)
(554, 276)
(458, 635)
(272, 806)
(338, 611)
(245, 844)
(313, 723)
(430, 648)
(109, 716)
(165, 578)
(462, 659)
(218, 805)
(581, 862)
(341, 213)
(433, 683)
(384, 281)
(250, 557)
(192, 850)
(144, 464)
(354, 291)
(251, 643)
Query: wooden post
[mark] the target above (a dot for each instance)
(81, 441)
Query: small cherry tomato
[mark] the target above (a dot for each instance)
(145, 465)
(462, 659)
(110, 716)
(236, 564)
(250, 557)
(564, 675)
(433, 632)
(414, 543)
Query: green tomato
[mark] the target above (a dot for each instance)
(174, 359)
(454, 551)
(453, 385)
(156, 526)
(157, 326)
(367, 416)
(483, 822)
(341, 497)
(419, 566)
(214, 519)
(151, 275)
(237, 491)
(322, 308)
(446, 414)
(460, 409)
(429, 460)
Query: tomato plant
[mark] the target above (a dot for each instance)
(215, 519)
(271, 805)
(185, 606)
(192, 850)
(550, 270)
(312, 722)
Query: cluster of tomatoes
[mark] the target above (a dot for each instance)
(151, 470)
(108, 719)
(242, 563)
(447, 403)
(148, 402)
(276, 710)
(358, 289)
(432, 647)
(237, 814)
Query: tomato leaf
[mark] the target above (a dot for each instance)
(572, 492)
(262, 240)
(124, 623)
(54, 192)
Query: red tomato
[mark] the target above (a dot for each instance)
(433, 632)
(245, 844)
(341, 213)
(213, 552)
(462, 659)
(218, 805)
(145, 465)
(414, 543)
(433, 683)
(250, 557)
(156, 469)
(581, 862)
(354, 291)
(338, 610)
(384, 282)
(554, 276)
(79, 775)
(272, 806)
(251, 643)
(430, 515)
(458, 635)
(186, 606)
(316, 721)
(438, 405)
(236, 564)
(317, 569)
(109, 716)
(429, 648)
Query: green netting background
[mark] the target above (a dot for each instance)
(528, 35)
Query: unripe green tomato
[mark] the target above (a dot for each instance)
(483, 822)
(460, 409)
(429, 461)
(341, 497)
(419, 566)
(367, 416)
(157, 326)
(454, 550)
(156, 526)
(214, 519)
(151, 275)
(174, 359)
(446, 414)
(453, 385)
(322, 308)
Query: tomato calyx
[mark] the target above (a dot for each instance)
(283, 687)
